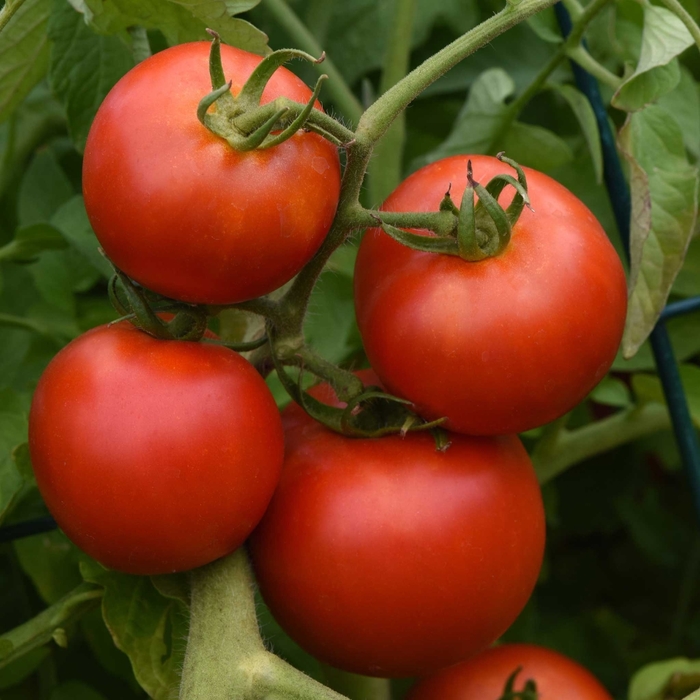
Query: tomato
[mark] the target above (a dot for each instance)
(484, 677)
(388, 558)
(154, 456)
(181, 212)
(501, 345)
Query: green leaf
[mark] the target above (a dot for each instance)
(481, 118)
(149, 627)
(13, 432)
(612, 392)
(58, 275)
(684, 104)
(84, 67)
(179, 20)
(359, 28)
(583, 111)
(545, 25)
(664, 189)
(31, 240)
(177, 24)
(24, 53)
(52, 563)
(534, 146)
(663, 679)
(687, 283)
(665, 37)
(330, 325)
(647, 387)
(684, 338)
(44, 189)
(216, 14)
(114, 661)
(72, 221)
(23, 667)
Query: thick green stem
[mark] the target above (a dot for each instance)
(588, 63)
(9, 9)
(378, 118)
(685, 17)
(226, 658)
(339, 90)
(41, 629)
(140, 46)
(568, 447)
(386, 167)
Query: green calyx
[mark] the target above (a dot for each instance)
(370, 411)
(145, 311)
(241, 120)
(529, 691)
(482, 229)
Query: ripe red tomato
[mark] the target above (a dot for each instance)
(388, 558)
(154, 456)
(484, 677)
(501, 345)
(181, 212)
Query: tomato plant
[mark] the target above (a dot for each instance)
(500, 345)
(389, 558)
(394, 545)
(556, 676)
(153, 456)
(182, 212)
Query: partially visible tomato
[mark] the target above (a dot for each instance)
(388, 558)
(500, 345)
(181, 212)
(154, 456)
(484, 677)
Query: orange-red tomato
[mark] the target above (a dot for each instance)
(388, 558)
(154, 456)
(501, 345)
(484, 677)
(181, 212)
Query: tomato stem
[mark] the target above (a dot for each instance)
(225, 656)
(564, 448)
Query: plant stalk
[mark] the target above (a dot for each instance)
(8, 10)
(226, 658)
(40, 630)
(553, 456)
(378, 118)
(386, 167)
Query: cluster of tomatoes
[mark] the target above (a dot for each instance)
(381, 556)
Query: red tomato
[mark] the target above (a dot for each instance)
(181, 212)
(154, 456)
(388, 558)
(484, 677)
(501, 345)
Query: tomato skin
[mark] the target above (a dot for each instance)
(484, 677)
(181, 212)
(388, 558)
(501, 345)
(154, 456)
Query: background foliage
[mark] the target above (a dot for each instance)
(619, 588)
